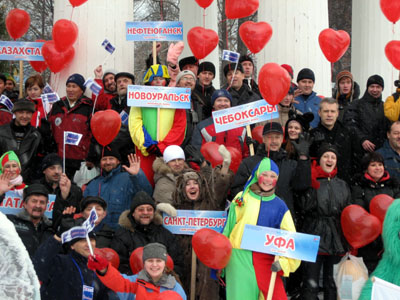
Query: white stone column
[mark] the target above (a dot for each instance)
(96, 20)
(371, 31)
(296, 26)
(191, 14)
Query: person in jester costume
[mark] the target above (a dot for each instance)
(143, 124)
(248, 273)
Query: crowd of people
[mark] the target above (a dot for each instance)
(318, 156)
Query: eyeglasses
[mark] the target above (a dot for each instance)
(187, 78)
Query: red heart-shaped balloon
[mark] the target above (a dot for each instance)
(273, 82)
(256, 133)
(255, 35)
(379, 205)
(211, 154)
(359, 227)
(236, 9)
(55, 59)
(392, 52)
(204, 3)
(391, 9)
(76, 3)
(105, 126)
(202, 41)
(17, 23)
(333, 43)
(212, 248)
(38, 66)
(136, 261)
(65, 33)
(108, 254)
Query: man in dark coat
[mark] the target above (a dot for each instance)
(32, 226)
(366, 117)
(391, 150)
(141, 226)
(204, 88)
(248, 67)
(294, 176)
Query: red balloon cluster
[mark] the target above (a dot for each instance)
(211, 154)
(108, 254)
(212, 248)
(65, 33)
(391, 10)
(379, 205)
(55, 59)
(333, 43)
(204, 3)
(236, 9)
(136, 261)
(105, 126)
(392, 52)
(255, 35)
(202, 41)
(274, 83)
(76, 3)
(17, 23)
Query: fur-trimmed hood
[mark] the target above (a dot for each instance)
(161, 168)
(127, 222)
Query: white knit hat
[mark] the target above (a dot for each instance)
(173, 152)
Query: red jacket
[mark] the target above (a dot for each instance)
(103, 99)
(5, 116)
(35, 122)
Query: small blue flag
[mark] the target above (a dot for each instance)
(6, 102)
(230, 56)
(72, 138)
(77, 232)
(50, 98)
(47, 89)
(93, 86)
(107, 45)
(124, 117)
(89, 224)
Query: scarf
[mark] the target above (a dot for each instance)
(317, 172)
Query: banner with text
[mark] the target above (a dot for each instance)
(280, 242)
(154, 31)
(31, 51)
(243, 115)
(156, 96)
(12, 204)
(187, 222)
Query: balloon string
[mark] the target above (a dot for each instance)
(331, 72)
(72, 12)
(204, 17)
(101, 171)
(270, 124)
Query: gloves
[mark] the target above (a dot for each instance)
(303, 145)
(167, 208)
(174, 51)
(276, 266)
(193, 155)
(154, 150)
(97, 263)
(226, 155)
(250, 141)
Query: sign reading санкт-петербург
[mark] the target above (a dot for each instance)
(188, 222)
(30, 51)
(243, 115)
(156, 96)
(280, 242)
(154, 31)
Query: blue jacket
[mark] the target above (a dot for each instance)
(391, 159)
(117, 188)
(310, 104)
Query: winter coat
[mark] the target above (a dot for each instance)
(39, 113)
(27, 147)
(132, 235)
(294, 176)
(242, 96)
(76, 119)
(392, 106)
(366, 118)
(140, 286)
(74, 199)
(117, 188)
(119, 104)
(103, 99)
(60, 275)
(309, 103)
(32, 236)
(345, 100)
(345, 141)
(5, 116)
(391, 159)
(253, 86)
(205, 132)
(322, 209)
(204, 93)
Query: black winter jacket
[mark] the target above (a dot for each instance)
(133, 235)
(294, 176)
(344, 101)
(60, 276)
(204, 93)
(243, 96)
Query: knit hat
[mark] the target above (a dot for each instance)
(125, 74)
(141, 198)
(6, 157)
(51, 159)
(10, 77)
(289, 69)
(24, 104)
(155, 250)
(190, 60)
(342, 75)
(245, 57)
(108, 151)
(220, 93)
(36, 189)
(306, 74)
(183, 73)
(206, 66)
(78, 79)
(231, 67)
(173, 152)
(3, 78)
(304, 120)
(272, 127)
(375, 79)
(93, 199)
(326, 147)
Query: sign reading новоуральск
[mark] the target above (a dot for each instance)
(154, 31)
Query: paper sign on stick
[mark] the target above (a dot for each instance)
(154, 31)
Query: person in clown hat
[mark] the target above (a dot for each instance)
(10, 174)
(248, 273)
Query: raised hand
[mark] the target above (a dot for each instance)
(134, 164)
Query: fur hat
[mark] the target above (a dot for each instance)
(155, 250)
(206, 66)
(141, 198)
(231, 67)
(190, 60)
(24, 104)
(78, 79)
(245, 57)
(306, 74)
